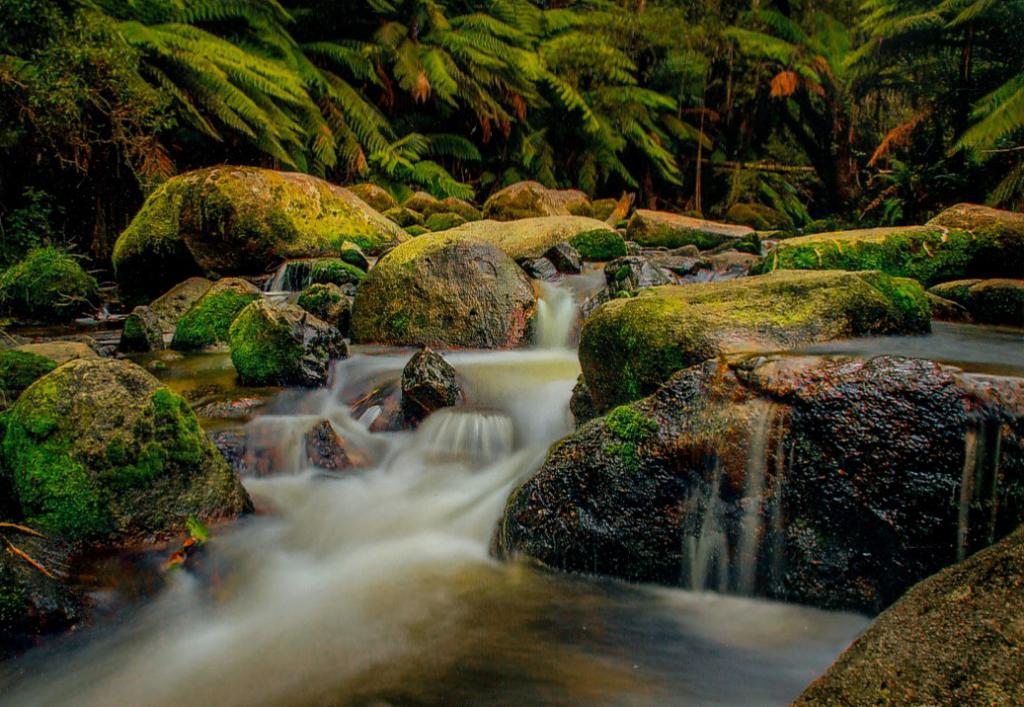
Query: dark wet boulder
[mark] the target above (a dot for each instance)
(996, 301)
(48, 285)
(524, 200)
(354, 255)
(208, 321)
(99, 451)
(429, 383)
(629, 346)
(143, 331)
(653, 229)
(324, 448)
(954, 639)
(378, 198)
(945, 310)
(836, 483)
(581, 405)
(600, 244)
(283, 344)
(329, 303)
(19, 370)
(241, 220)
(565, 258)
(442, 290)
(539, 268)
(629, 275)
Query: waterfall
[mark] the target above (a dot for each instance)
(978, 506)
(462, 434)
(291, 276)
(556, 317)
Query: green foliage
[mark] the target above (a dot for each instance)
(49, 285)
(29, 226)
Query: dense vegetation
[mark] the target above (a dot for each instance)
(865, 111)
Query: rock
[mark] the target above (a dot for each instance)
(326, 449)
(530, 237)
(376, 197)
(631, 274)
(404, 216)
(232, 409)
(146, 328)
(602, 209)
(686, 251)
(209, 320)
(48, 285)
(429, 383)
(59, 351)
(629, 347)
(451, 205)
(99, 451)
(283, 345)
(661, 228)
(581, 405)
(329, 303)
(997, 301)
(953, 639)
(18, 370)
(524, 200)
(416, 230)
(143, 331)
(354, 255)
(680, 265)
(963, 242)
(539, 268)
(733, 263)
(239, 220)
(421, 202)
(600, 244)
(574, 201)
(443, 221)
(946, 310)
(296, 275)
(32, 604)
(444, 290)
(759, 217)
(565, 258)
(836, 483)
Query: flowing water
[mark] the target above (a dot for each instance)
(376, 587)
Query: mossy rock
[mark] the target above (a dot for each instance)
(415, 231)
(444, 290)
(328, 302)
(283, 345)
(354, 255)
(99, 451)
(528, 238)
(601, 244)
(143, 331)
(657, 229)
(207, 323)
(996, 301)
(602, 209)
(443, 221)
(574, 201)
(630, 346)
(18, 370)
(378, 198)
(59, 351)
(759, 217)
(146, 326)
(239, 220)
(421, 202)
(452, 205)
(404, 217)
(524, 200)
(930, 254)
(48, 285)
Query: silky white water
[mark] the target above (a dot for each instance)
(376, 587)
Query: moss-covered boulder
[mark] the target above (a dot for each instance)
(444, 290)
(832, 482)
(415, 231)
(48, 285)
(99, 451)
(602, 209)
(758, 216)
(954, 639)
(18, 370)
(996, 301)
(378, 198)
(629, 347)
(421, 202)
(662, 229)
(574, 201)
(59, 350)
(600, 244)
(404, 217)
(524, 200)
(443, 221)
(143, 331)
(147, 325)
(241, 220)
(354, 255)
(964, 242)
(452, 205)
(329, 303)
(283, 345)
(208, 321)
(528, 238)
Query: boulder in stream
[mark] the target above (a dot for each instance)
(530, 237)
(565, 258)
(836, 483)
(147, 325)
(329, 303)
(629, 275)
(99, 451)
(325, 449)
(208, 321)
(654, 229)
(524, 200)
(996, 301)
(600, 244)
(630, 346)
(429, 383)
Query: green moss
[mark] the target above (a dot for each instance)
(262, 349)
(631, 427)
(599, 244)
(759, 217)
(48, 285)
(317, 299)
(19, 369)
(404, 217)
(209, 321)
(416, 230)
(443, 221)
(334, 271)
(994, 301)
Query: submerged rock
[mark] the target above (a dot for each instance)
(283, 345)
(524, 200)
(237, 220)
(997, 301)
(628, 347)
(565, 258)
(429, 383)
(837, 483)
(444, 290)
(326, 449)
(48, 285)
(99, 451)
(208, 321)
(663, 229)
(954, 639)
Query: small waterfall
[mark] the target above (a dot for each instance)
(979, 488)
(751, 524)
(291, 276)
(556, 317)
(462, 435)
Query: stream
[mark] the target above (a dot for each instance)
(376, 587)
